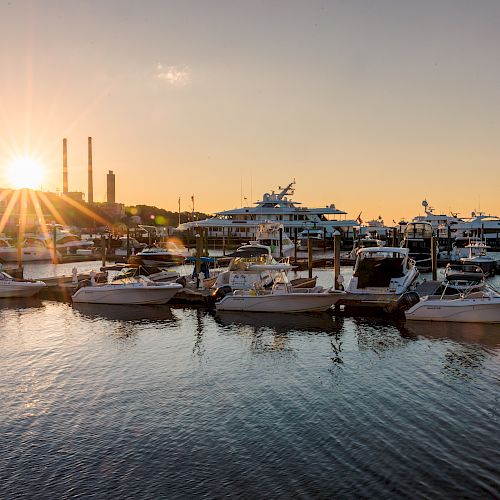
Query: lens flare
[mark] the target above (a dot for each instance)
(25, 172)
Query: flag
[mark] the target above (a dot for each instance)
(359, 218)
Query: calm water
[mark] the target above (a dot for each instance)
(154, 402)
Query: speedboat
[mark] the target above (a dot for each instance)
(11, 287)
(382, 271)
(478, 256)
(139, 291)
(481, 306)
(250, 264)
(8, 252)
(459, 278)
(32, 249)
(161, 254)
(366, 242)
(281, 298)
(156, 274)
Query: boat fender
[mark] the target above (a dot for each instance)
(221, 292)
(407, 301)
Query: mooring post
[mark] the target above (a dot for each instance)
(128, 243)
(309, 255)
(449, 242)
(223, 241)
(103, 250)
(199, 246)
(281, 242)
(206, 242)
(54, 243)
(336, 259)
(324, 240)
(19, 252)
(434, 251)
(295, 245)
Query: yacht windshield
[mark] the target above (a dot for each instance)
(378, 271)
(243, 263)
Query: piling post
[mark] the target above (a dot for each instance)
(223, 241)
(103, 250)
(336, 259)
(448, 246)
(19, 251)
(199, 246)
(128, 243)
(309, 256)
(281, 242)
(434, 249)
(295, 245)
(54, 244)
(324, 240)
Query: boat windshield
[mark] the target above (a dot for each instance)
(378, 271)
(243, 263)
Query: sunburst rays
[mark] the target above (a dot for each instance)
(21, 202)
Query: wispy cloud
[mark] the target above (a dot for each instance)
(173, 75)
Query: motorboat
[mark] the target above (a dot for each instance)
(383, 271)
(481, 225)
(459, 278)
(11, 287)
(281, 298)
(459, 248)
(139, 291)
(155, 274)
(478, 256)
(274, 236)
(315, 236)
(166, 253)
(367, 241)
(8, 252)
(32, 249)
(250, 264)
(417, 237)
(481, 306)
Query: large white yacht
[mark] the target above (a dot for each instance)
(441, 223)
(485, 226)
(243, 223)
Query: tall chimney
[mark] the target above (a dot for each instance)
(65, 166)
(90, 194)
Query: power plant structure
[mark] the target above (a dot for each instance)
(90, 193)
(110, 187)
(78, 196)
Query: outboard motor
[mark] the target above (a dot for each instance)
(407, 301)
(221, 292)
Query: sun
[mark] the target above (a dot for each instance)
(25, 172)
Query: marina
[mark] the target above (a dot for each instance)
(249, 250)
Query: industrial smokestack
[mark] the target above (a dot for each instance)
(110, 182)
(90, 195)
(65, 166)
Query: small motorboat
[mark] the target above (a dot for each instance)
(139, 291)
(460, 278)
(481, 306)
(478, 256)
(11, 287)
(281, 298)
(167, 253)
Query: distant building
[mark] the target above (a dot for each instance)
(75, 195)
(110, 182)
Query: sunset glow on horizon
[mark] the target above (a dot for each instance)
(372, 106)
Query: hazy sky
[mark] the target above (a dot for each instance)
(371, 105)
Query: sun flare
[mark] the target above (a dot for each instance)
(25, 172)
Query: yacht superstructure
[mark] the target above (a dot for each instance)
(275, 207)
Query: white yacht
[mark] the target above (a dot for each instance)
(316, 236)
(478, 256)
(366, 242)
(33, 249)
(66, 241)
(8, 252)
(383, 271)
(485, 226)
(440, 223)
(161, 254)
(243, 223)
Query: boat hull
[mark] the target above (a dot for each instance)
(283, 303)
(15, 289)
(117, 294)
(459, 310)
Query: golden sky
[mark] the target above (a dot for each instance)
(371, 105)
